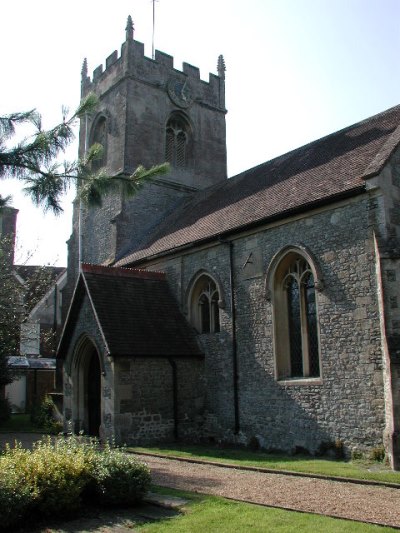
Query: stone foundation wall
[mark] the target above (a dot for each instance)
(145, 399)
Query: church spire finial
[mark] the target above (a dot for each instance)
(129, 29)
(221, 67)
(84, 71)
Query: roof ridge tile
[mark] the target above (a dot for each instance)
(88, 268)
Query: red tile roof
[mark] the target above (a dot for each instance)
(322, 171)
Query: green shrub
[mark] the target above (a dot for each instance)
(15, 496)
(55, 473)
(253, 444)
(378, 454)
(300, 450)
(58, 475)
(357, 455)
(119, 479)
(43, 416)
(334, 449)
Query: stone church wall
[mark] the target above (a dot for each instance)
(347, 403)
(218, 369)
(134, 222)
(353, 243)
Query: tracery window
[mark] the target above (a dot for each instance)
(205, 305)
(177, 141)
(296, 319)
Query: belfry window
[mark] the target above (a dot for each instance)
(177, 141)
(204, 306)
(99, 135)
(296, 320)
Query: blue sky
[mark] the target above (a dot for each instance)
(296, 70)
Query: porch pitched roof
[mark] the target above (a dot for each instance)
(136, 313)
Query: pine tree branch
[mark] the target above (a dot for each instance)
(33, 162)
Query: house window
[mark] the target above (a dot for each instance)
(99, 135)
(204, 306)
(177, 141)
(295, 319)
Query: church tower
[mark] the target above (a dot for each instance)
(148, 113)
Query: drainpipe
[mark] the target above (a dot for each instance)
(55, 303)
(35, 388)
(174, 396)
(234, 340)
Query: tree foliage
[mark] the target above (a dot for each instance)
(35, 161)
(18, 296)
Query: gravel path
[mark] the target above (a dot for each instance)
(378, 505)
(366, 503)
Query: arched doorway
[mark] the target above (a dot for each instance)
(87, 380)
(93, 398)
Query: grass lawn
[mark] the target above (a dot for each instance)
(19, 423)
(202, 514)
(375, 471)
(210, 513)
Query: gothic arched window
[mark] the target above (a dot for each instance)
(204, 305)
(295, 319)
(99, 135)
(177, 141)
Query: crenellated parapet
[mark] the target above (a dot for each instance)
(158, 72)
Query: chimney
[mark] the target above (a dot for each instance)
(8, 230)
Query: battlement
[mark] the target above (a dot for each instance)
(161, 58)
(132, 62)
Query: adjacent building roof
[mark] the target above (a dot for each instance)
(323, 171)
(136, 313)
(38, 363)
(38, 280)
(30, 271)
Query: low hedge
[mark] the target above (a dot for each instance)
(119, 479)
(15, 498)
(60, 475)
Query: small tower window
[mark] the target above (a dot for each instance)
(99, 135)
(177, 141)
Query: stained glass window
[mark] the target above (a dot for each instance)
(296, 354)
(205, 308)
(297, 335)
(205, 313)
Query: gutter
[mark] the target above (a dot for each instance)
(174, 396)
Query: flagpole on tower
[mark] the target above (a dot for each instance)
(154, 27)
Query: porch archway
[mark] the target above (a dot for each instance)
(87, 378)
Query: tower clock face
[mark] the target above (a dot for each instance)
(180, 92)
